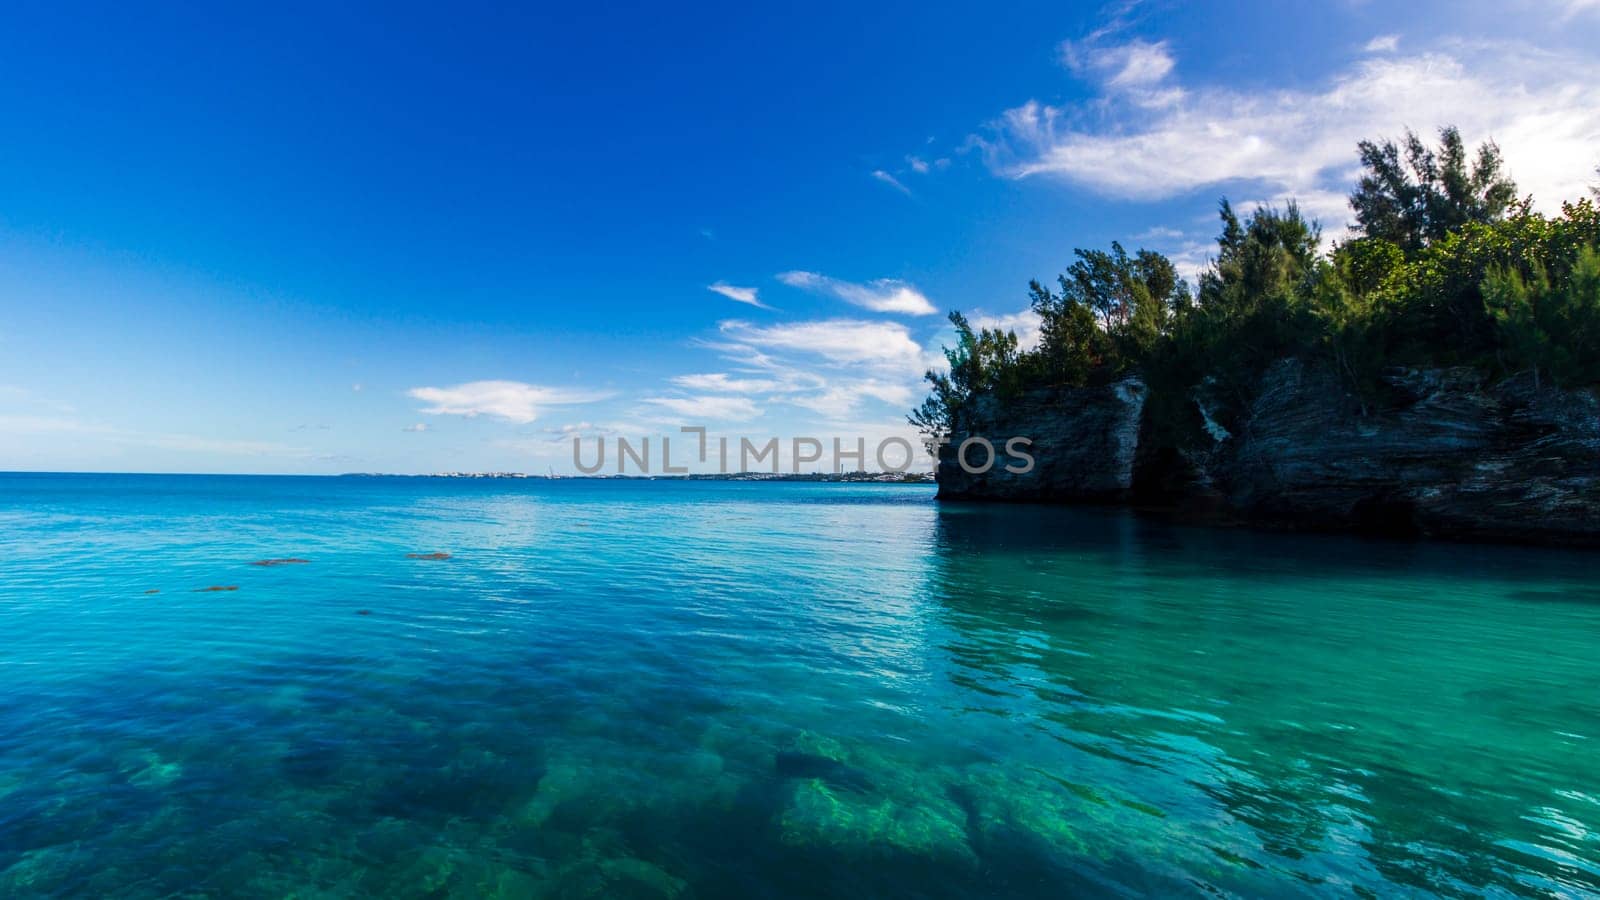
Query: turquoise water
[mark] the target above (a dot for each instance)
(634, 689)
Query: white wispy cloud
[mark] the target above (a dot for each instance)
(573, 428)
(740, 294)
(843, 397)
(417, 428)
(891, 181)
(842, 341)
(1541, 107)
(833, 369)
(723, 383)
(1132, 65)
(709, 408)
(885, 295)
(1383, 43)
(564, 433)
(923, 166)
(1158, 233)
(512, 401)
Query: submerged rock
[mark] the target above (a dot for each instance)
(909, 819)
(433, 556)
(215, 588)
(147, 768)
(850, 798)
(793, 764)
(286, 561)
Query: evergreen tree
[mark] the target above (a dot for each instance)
(1111, 311)
(1548, 326)
(1415, 196)
(1450, 269)
(1514, 302)
(981, 362)
(1072, 344)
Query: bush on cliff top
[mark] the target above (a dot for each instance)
(1447, 267)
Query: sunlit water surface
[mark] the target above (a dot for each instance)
(632, 689)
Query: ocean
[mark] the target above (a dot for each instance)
(575, 688)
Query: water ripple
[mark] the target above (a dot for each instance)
(706, 690)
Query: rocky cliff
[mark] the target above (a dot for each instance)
(1446, 454)
(1084, 444)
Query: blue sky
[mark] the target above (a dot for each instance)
(291, 239)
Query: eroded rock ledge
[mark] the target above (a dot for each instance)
(1085, 444)
(1447, 454)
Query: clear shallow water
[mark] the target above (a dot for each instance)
(629, 689)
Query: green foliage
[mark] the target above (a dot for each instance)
(981, 362)
(1414, 197)
(1346, 297)
(1261, 262)
(1072, 345)
(1249, 310)
(1549, 326)
(1112, 310)
(1449, 269)
(1364, 263)
(1434, 304)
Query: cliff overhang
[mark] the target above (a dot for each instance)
(1448, 455)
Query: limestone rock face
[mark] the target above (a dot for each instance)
(1084, 441)
(1446, 455)
(1454, 457)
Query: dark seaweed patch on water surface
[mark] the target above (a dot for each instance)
(315, 761)
(473, 783)
(215, 588)
(1582, 596)
(433, 556)
(1068, 612)
(285, 561)
(153, 591)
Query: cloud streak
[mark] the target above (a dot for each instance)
(1152, 138)
(738, 294)
(510, 401)
(891, 181)
(1136, 70)
(722, 383)
(1383, 43)
(840, 341)
(709, 408)
(830, 368)
(884, 295)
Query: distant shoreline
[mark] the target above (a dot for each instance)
(818, 477)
